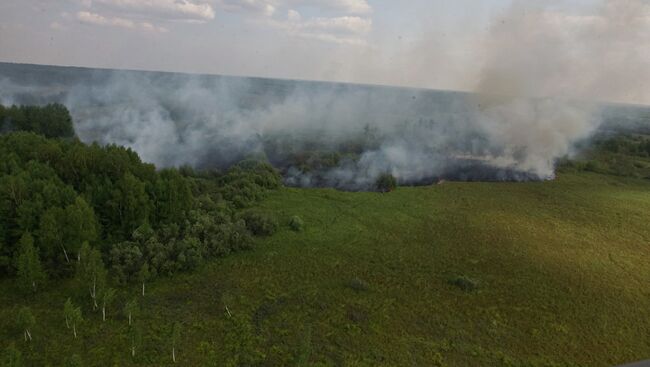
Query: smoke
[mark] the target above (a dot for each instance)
(212, 122)
(536, 95)
(545, 70)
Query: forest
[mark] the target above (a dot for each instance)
(100, 215)
(61, 195)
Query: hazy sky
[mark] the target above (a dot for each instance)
(428, 43)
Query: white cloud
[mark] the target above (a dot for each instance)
(345, 6)
(269, 7)
(347, 24)
(343, 30)
(144, 14)
(197, 10)
(325, 37)
(257, 7)
(98, 19)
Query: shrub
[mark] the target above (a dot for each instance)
(125, 259)
(386, 183)
(259, 223)
(465, 283)
(357, 315)
(296, 223)
(358, 285)
(239, 237)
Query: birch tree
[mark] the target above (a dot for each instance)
(131, 310)
(80, 225)
(91, 271)
(175, 337)
(135, 337)
(26, 320)
(28, 263)
(51, 235)
(73, 316)
(144, 275)
(108, 295)
(68, 310)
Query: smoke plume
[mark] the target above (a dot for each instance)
(537, 94)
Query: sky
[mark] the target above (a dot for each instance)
(422, 43)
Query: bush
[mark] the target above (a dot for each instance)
(465, 283)
(386, 183)
(358, 285)
(239, 237)
(125, 259)
(296, 223)
(259, 223)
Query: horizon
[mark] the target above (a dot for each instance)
(439, 45)
(371, 85)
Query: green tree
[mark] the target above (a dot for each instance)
(130, 204)
(26, 321)
(12, 357)
(73, 316)
(52, 120)
(29, 211)
(13, 192)
(51, 233)
(108, 295)
(131, 310)
(386, 183)
(76, 319)
(56, 121)
(68, 310)
(91, 271)
(175, 337)
(125, 259)
(28, 263)
(5, 260)
(135, 337)
(80, 224)
(173, 196)
(144, 275)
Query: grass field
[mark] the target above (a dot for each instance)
(562, 270)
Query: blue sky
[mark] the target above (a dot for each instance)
(427, 43)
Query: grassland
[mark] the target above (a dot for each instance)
(562, 270)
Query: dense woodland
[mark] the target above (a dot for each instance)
(52, 121)
(58, 195)
(101, 215)
(620, 154)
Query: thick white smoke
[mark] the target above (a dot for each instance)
(544, 72)
(536, 95)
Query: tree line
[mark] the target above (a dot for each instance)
(52, 120)
(101, 215)
(63, 194)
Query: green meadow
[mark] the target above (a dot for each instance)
(552, 273)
